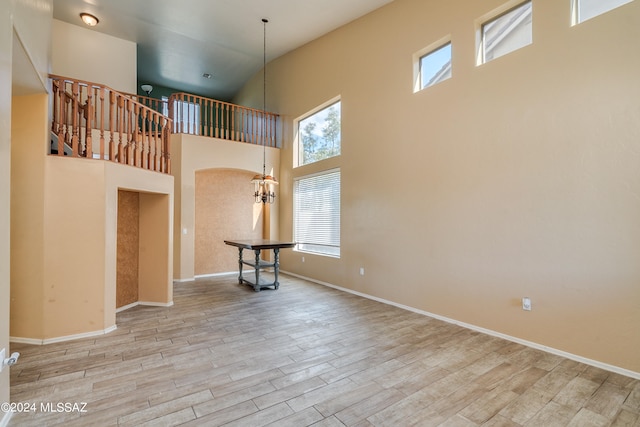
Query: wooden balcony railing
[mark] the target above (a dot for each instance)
(197, 115)
(94, 121)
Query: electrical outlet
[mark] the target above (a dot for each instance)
(2, 356)
(302, 259)
(362, 271)
(526, 303)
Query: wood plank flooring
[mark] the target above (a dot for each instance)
(307, 355)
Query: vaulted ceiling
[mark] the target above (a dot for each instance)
(180, 41)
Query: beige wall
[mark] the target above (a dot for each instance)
(6, 39)
(515, 178)
(24, 34)
(223, 211)
(191, 153)
(155, 285)
(78, 241)
(27, 206)
(128, 244)
(85, 54)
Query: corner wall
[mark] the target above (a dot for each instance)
(75, 294)
(26, 24)
(515, 178)
(6, 40)
(190, 153)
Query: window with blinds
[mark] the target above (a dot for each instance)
(583, 10)
(316, 213)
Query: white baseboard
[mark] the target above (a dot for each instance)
(126, 307)
(204, 276)
(184, 280)
(151, 304)
(156, 304)
(575, 357)
(4, 422)
(35, 341)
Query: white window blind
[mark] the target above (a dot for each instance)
(317, 213)
(587, 9)
(507, 32)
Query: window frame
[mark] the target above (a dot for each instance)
(487, 19)
(300, 247)
(575, 11)
(424, 52)
(298, 147)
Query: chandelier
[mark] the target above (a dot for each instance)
(264, 184)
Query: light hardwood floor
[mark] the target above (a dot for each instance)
(307, 355)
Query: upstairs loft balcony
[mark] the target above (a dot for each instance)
(94, 121)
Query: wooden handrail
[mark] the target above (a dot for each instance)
(137, 135)
(197, 115)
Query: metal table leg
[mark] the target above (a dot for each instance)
(276, 266)
(240, 265)
(256, 286)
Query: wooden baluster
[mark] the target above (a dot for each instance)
(178, 113)
(219, 119)
(191, 110)
(59, 97)
(263, 128)
(167, 149)
(216, 119)
(274, 127)
(157, 145)
(172, 113)
(159, 139)
(112, 125)
(189, 118)
(185, 114)
(144, 137)
(254, 127)
(102, 123)
(133, 130)
(74, 119)
(272, 130)
(154, 141)
(211, 116)
(55, 92)
(267, 127)
(120, 115)
(234, 134)
(66, 136)
(204, 117)
(148, 136)
(149, 158)
(89, 111)
(227, 122)
(244, 125)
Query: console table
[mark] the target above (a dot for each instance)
(258, 264)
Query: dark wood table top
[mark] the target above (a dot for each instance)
(259, 244)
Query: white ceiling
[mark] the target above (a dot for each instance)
(180, 40)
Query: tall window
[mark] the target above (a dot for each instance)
(319, 135)
(506, 32)
(435, 66)
(316, 213)
(587, 9)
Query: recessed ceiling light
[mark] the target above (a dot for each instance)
(89, 19)
(206, 75)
